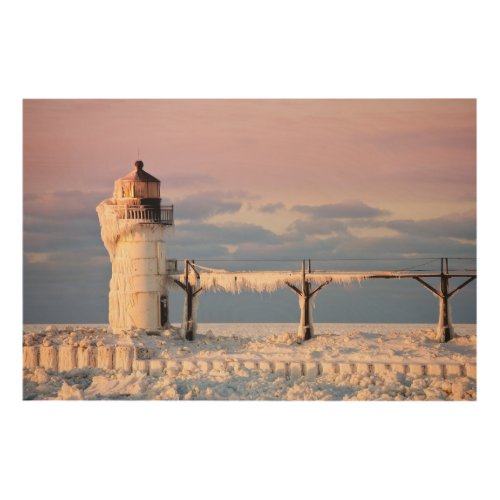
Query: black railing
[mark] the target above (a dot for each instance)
(148, 215)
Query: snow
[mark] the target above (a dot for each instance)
(359, 362)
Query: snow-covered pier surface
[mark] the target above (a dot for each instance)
(85, 362)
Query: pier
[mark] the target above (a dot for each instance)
(309, 280)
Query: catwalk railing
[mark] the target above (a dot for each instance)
(147, 215)
(306, 283)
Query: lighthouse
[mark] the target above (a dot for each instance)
(134, 228)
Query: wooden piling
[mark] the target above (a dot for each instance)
(305, 317)
(190, 292)
(444, 331)
(445, 328)
(189, 303)
(305, 294)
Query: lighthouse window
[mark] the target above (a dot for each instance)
(163, 311)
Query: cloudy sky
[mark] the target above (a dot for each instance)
(255, 179)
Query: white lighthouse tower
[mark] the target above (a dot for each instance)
(134, 226)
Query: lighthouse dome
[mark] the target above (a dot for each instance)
(137, 185)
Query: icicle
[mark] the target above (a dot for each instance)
(220, 280)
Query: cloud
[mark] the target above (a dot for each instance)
(72, 234)
(62, 204)
(230, 233)
(270, 208)
(204, 240)
(406, 245)
(341, 210)
(317, 226)
(203, 205)
(462, 226)
(348, 246)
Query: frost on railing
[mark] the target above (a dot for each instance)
(117, 221)
(147, 215)
(221, 280)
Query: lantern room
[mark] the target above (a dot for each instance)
(138, 188)
(137, 197)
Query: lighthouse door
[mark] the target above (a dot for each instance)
(163, 310)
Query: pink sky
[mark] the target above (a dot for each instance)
(412, 157)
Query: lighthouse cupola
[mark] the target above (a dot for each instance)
(138, 193)
(138, 188)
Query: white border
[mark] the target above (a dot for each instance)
(248, 49)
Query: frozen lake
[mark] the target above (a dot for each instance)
(265, 329)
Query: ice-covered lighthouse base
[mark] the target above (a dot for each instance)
(138, 288)
(138, 284)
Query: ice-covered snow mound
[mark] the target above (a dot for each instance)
(242, 384)
(91, 363)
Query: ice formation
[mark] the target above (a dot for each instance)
(377, 361)
(133, 230)
(139, 272)
(221, 280)
(112, 227)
